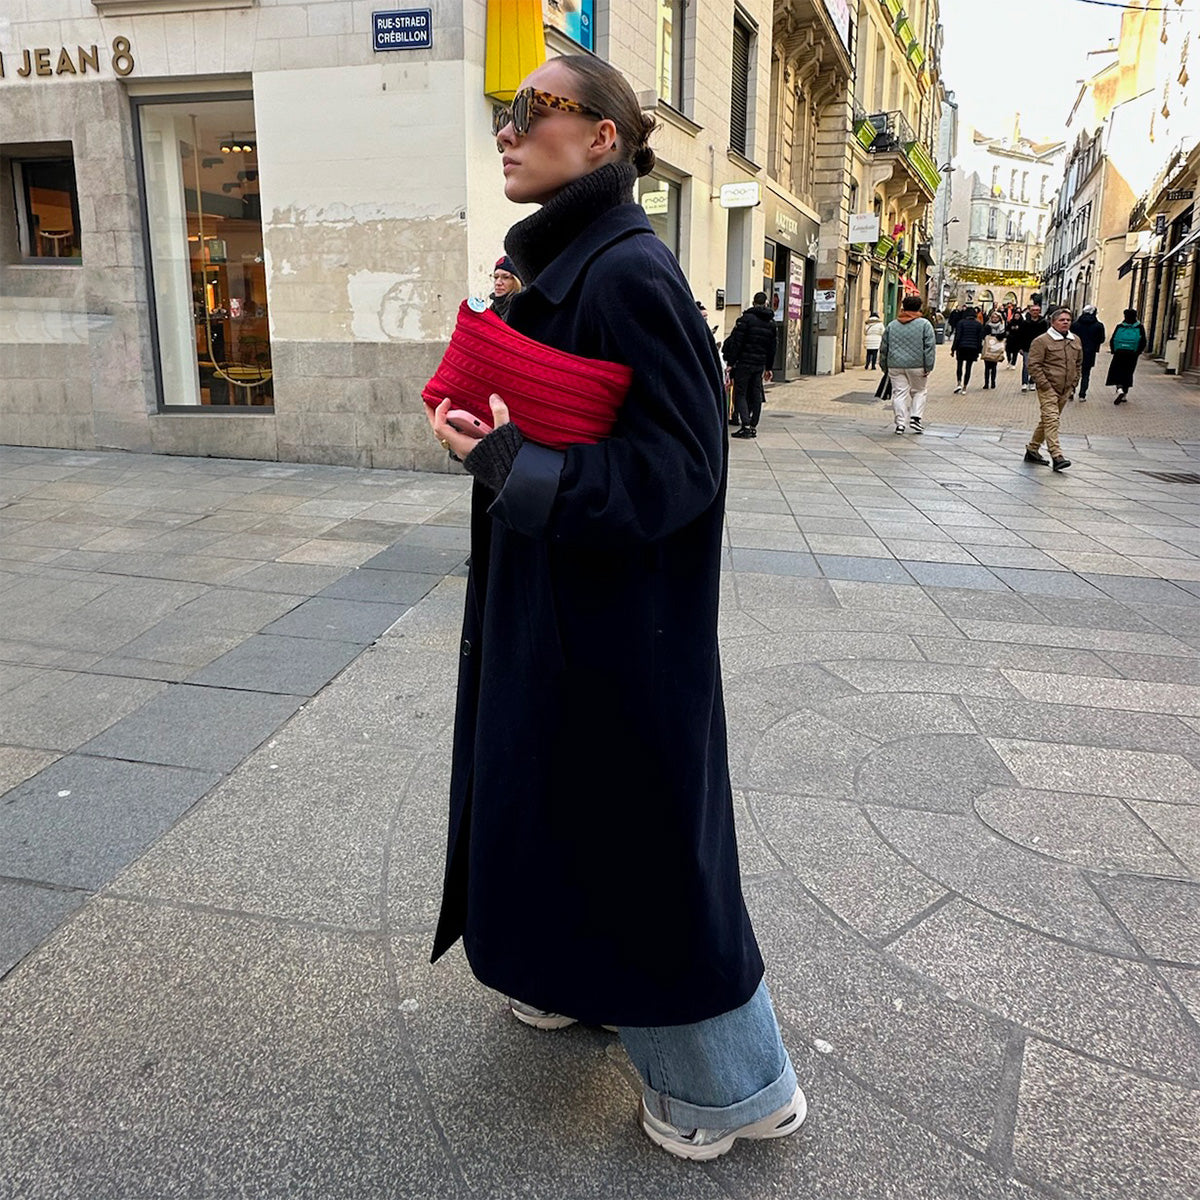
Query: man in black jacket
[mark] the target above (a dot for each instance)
(750, 352)
(1033, 325)
(1089, 329)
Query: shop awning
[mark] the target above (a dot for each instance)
(1126, 266)
(516, 45)
(910, 288)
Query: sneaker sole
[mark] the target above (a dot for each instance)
(781, 1123)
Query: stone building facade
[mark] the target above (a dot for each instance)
(1003, 191)
(244, 227)
(892, 174)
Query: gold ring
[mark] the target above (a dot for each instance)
(445, 444)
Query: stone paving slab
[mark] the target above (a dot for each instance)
(81, 819)
(965, 814)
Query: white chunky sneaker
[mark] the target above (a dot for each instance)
(539, 1018)
(705, 1144)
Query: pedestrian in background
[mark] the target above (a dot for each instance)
(1127, 342)
(506, 283)
(590, 772)
(1055, 360)
(1032, 326)
(993, 348)
(938, 321)
(1012, 328)
(1089, 329)
(906, 356)
(874, 334)
(967, 343)
(750, 352)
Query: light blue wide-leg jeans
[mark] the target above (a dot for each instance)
(721, 1073)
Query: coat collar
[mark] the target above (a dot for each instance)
(1061, 337)
(621, 222)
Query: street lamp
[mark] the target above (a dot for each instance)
(942, 262)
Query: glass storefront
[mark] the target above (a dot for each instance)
(209, 285)
(661, 199)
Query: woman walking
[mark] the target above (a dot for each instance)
(590, 782)
(994, 334)
(968, 341)
(874, 333)
(1127, 342)
(1011, 328)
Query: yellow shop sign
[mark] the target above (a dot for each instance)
(49, 62)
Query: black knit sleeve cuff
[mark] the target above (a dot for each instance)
(492, 459)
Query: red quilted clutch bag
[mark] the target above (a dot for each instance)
(555, 398)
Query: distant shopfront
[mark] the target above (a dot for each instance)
(789, 279)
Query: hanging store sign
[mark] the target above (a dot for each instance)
(54, 62)
(741, 195)
(839, 14)
(1160, 224)
(864, 227)
(404, 29)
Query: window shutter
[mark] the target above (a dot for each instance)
(739, 101)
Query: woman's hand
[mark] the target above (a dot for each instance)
(461, 444)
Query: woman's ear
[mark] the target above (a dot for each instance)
(604, 140)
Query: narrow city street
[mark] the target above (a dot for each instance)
(964, 703)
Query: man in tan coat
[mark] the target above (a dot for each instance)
(1055, 360)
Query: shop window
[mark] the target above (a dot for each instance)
(669, 51)
(199, 162)
(661, 200)
(47, 208)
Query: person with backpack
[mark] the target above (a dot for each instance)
(966, 345)
(750, 352)
(1089, 329)
(994, 336)
(1127, 343)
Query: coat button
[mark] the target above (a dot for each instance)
(466, 648)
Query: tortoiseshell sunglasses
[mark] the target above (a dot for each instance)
(521, 109)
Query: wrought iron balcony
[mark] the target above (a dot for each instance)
(890, 132)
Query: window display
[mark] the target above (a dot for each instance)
(200, 169)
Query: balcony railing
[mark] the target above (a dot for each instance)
(888, 132)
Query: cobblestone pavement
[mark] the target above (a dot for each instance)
(964, 705)
(1160, 406)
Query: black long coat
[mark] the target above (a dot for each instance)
(592, 864)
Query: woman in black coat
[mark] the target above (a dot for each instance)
(592, 867)
(968, 342)
(1127, 343)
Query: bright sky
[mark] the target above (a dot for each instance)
(1023, 56)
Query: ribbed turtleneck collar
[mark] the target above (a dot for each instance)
(534, 243)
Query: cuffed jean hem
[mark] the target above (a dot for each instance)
(683, 1115)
